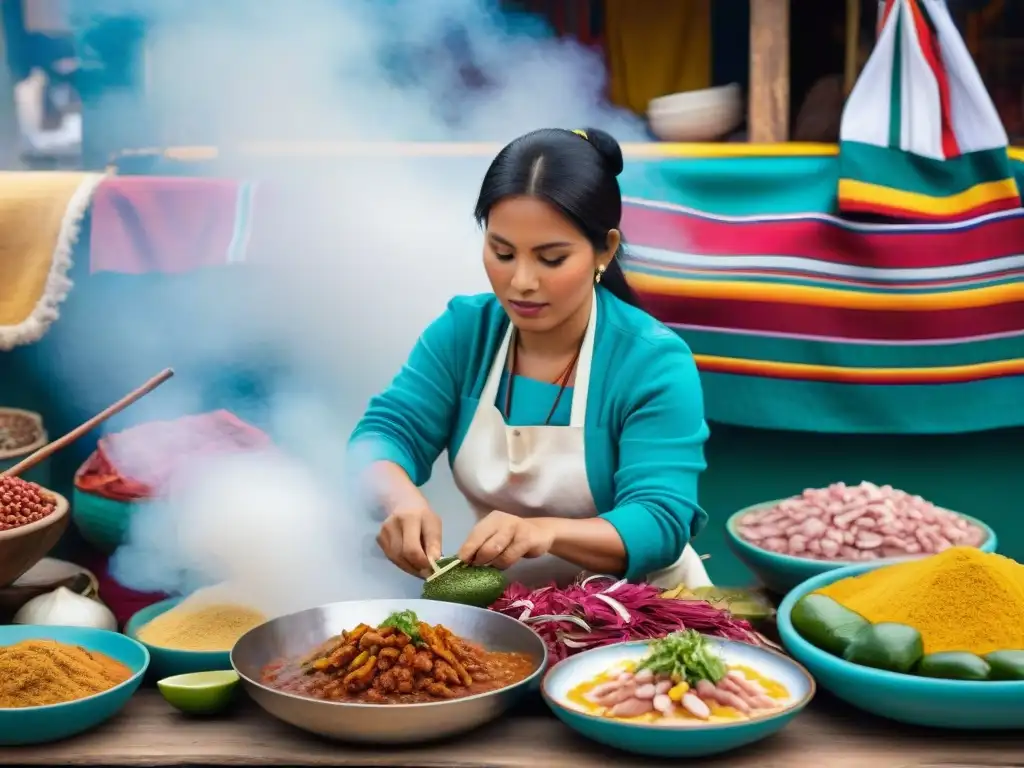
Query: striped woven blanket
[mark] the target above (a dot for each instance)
(800, 320)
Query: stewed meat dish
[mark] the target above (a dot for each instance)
(401, 661)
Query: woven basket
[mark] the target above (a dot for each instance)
(103, 522)
(31, 424)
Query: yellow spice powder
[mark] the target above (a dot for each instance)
(962, 599)
(205, 628)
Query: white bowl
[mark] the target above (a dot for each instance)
(703, 115)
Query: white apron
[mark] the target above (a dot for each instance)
(541, 472)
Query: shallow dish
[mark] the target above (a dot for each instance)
(674, 741)
(905, 698)
(781, 573)
(42, 725)
(298, 633)
(168, 662)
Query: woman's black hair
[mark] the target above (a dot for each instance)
(575, 171)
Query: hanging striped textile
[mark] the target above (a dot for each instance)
(802, 320)
(921, 139)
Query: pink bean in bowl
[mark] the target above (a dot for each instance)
(788, 541)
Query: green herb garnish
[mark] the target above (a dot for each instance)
(406, 622)
(685, 656)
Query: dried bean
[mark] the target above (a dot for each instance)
(857, 523)
(632, 708)
(644, 676)
(695, 706)
(603, 690)
(663, 704)
(646, 691)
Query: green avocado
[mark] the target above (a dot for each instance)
(953, 665)
(825, 623)
(466, 584)
(889, 646)
(1006, 665)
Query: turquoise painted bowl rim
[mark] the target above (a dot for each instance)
(912, 684)
(134, 679)
(989, 544)
(791, 710)
(162, 607)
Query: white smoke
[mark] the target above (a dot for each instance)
(356, 256)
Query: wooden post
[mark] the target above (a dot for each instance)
(851, 68)
(768, 112)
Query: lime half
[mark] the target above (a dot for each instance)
(199, 693)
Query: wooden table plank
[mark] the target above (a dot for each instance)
(150, 733)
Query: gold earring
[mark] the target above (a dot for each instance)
(600, 274)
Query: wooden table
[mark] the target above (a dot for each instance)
(150, 733)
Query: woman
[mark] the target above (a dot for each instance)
(573, 420)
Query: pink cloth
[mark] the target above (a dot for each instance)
(143, 224)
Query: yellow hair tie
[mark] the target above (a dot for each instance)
(578, 132)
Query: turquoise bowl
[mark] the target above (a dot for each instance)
(42, 725)
(668, 741)
(168, 662)
(102, 522)
(781, 573)
(923, 701)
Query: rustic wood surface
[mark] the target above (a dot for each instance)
(150, 733)
(768, 112)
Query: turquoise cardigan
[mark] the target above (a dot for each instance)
(644, 429)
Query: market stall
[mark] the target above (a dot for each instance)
(859, 371)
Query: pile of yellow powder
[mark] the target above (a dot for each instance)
(199, 627)
(962, 599)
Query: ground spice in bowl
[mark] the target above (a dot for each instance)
(959, 600)
(35, 673)
(213, 627)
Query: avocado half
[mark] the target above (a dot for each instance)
(478, 585)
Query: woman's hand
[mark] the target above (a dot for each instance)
(501, 540)
(411, 538)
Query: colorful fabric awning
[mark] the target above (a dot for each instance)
(921, 139)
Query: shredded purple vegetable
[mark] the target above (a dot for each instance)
(601, 610)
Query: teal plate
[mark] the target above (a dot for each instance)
(781, 573)
(42, 725)
(168, 662)
(696, 740)
(905, 698)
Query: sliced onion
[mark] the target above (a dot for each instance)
(595, 577)
(615, 586)
(574, 644)
(527, 604)
(571, 619)
(616, 606)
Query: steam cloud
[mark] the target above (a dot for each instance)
(357, 255)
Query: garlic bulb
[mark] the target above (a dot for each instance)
(63, 608)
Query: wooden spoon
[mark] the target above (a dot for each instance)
(51, 448)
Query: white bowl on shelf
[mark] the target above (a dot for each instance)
(705, 115)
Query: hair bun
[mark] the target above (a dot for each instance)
(608, 148)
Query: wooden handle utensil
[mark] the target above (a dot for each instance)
(50, 448)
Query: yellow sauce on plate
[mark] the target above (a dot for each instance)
(719, 714)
